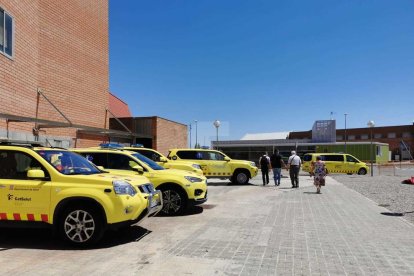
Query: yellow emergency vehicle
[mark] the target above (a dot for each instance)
(216, 164)
(179, 188)
(164, 162)
(53, 187)
(336, 163)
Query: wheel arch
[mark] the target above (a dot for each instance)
(172, 185)
(61, 206)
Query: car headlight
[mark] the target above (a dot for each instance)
(196, 166)
(252, 164)
(122, 187)
(193, 179)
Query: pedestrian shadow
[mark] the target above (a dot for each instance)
(396, 214)
(310, 193)
(29, 238)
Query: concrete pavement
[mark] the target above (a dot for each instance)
(241, 230)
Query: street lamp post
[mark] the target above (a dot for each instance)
(371, 125)
(190, 133)
(216, 123)
(196, 140)
(345, 131)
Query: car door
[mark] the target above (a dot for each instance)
(352, 164)
(217, 166)
(22, 198)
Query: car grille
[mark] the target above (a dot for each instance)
(147, 188)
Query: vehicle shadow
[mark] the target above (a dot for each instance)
(11, 238)
(227, 184)
(192, 210)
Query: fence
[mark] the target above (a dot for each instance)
(396, 169)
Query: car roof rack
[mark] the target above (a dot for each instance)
(21, 143)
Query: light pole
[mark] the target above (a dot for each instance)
(190, 133)
(196, 141)
(345, 130)
(216, 123)
(371, 125)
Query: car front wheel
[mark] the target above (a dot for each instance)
(241, 178)
(362, 171)
(174, 201)
(81, 225)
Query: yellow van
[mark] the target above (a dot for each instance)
(336, 163)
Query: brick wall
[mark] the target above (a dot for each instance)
(62, 48)
(169, 135)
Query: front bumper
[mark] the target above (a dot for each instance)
(198, 201)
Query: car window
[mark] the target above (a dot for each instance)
(118, 161)
(14, 165)
(67, 162)
(150, 154)
(307, 157)
(148, 162)
(349, 158)
(215, 156)
(333, 157)
(189, 154)
(98, 158)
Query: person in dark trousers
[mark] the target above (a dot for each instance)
(277, 164)
(264, 162)
(294, 164)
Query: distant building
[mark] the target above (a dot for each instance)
(324, 137)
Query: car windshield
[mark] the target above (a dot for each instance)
(67, 162)
(148, 161)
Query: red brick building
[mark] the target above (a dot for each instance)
(158, 133)
(61, 49)
(118, 107)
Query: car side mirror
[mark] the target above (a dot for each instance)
(35, 174)
(163, 159)
(138, 169)
(227, 159)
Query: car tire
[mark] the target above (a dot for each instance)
(241, 178)
(362, 171)
(174, 201)
(81, 225)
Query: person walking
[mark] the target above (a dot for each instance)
(277, 164)
(318, 170)
(264, 162)
(294, 164)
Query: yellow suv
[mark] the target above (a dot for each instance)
(336, 163)
(57, 188)
(164, 162)
(179, 188)
(216, 164)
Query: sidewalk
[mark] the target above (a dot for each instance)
(286, 231)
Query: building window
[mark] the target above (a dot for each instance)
(377, 135)
(339, 137)
(406, 135)
(351, 137)
(392, 135)
(364, 136)
(6, 33)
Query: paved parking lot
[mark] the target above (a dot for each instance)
(241, 230)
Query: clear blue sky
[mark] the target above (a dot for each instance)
(264, 65)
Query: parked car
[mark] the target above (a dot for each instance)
(164, 162)
(180, 189)
(216, 164)
(336, 163)
(57, 188)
